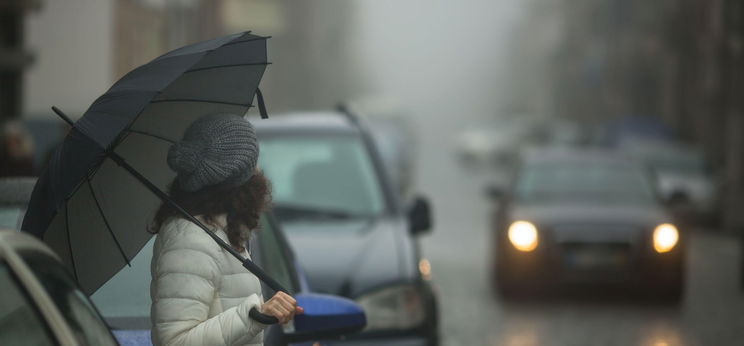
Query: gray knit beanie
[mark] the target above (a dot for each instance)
(216, 149)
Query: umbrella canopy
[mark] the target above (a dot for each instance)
(102, 186)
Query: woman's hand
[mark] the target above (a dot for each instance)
(282, 306)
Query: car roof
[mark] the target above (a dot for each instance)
(578, 156)
(304, 121)
(18, 241)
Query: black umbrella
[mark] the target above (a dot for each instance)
(98, 194)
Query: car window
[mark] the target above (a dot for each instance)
(275, 259)
(11, 217)
(77, 310)
(320, 176)
(593, 183)
(20, 322)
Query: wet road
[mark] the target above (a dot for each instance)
(712, 312)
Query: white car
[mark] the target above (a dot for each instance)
(41, 304)
(683, 176)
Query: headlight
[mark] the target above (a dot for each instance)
(665, 237)
(523, 235)
(395, 307)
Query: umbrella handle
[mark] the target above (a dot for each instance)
(262, 318)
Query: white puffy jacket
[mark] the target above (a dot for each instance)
(200, 294)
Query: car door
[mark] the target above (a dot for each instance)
(270, 251)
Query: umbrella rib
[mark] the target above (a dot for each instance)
(152, 135)
(105, 221)
(69, 243)
(229, 65)
(204, 101)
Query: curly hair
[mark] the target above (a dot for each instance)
(243, 206)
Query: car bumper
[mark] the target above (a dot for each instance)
(612, 263)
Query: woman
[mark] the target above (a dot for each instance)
(200, 294)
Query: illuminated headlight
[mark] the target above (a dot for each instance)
(666, 237)
(395, 307)
(523, 235)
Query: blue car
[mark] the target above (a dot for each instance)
(124, 301)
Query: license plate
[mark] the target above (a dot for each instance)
(596, 258)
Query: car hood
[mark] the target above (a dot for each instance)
(575, 214)
(349, 257)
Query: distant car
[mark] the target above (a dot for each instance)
(585, 217)
(616, 132)
(497, 144)
(124, 300)
(684, 177)
(14, 195)
(352, 235)
(40, 303)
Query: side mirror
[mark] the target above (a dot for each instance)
(419, 216)
(325, 317)
(494, 192)
(678, 198)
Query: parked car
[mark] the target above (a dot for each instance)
(14, 195)
(585, 217)
(353, 236)
(124, 300)
(41, 304)
(684, 177)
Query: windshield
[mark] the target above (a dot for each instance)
(598, 183)
(327, 177)
(680, 164)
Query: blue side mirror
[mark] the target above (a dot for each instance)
(326, 317)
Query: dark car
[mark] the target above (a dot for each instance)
(124, 301)
(353, 235)
(585, 217)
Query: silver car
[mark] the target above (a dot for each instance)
(683, 176)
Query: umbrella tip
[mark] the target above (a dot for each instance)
(62, 115)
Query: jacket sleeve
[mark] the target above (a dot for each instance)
(185, 280)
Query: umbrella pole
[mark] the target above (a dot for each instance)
(247, 263)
